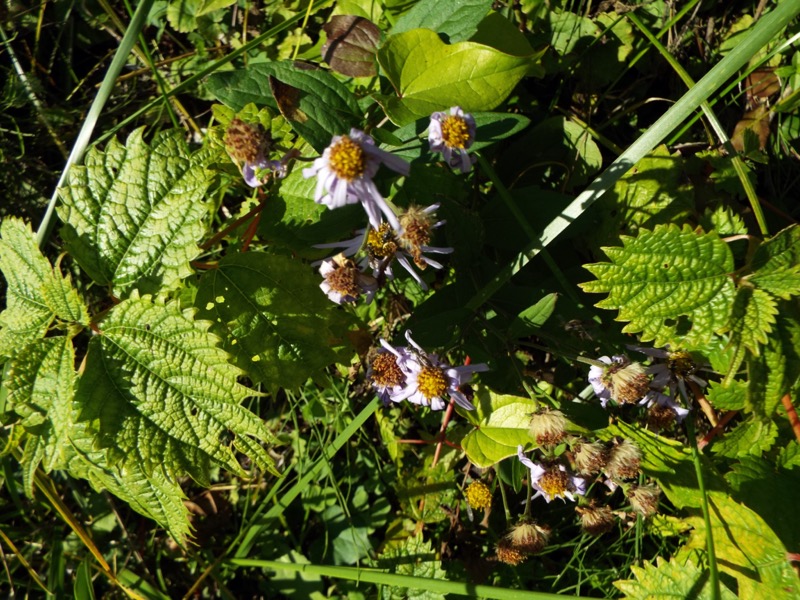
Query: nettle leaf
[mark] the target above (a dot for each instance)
(279, 326)
(36, 293)
(40, 385)
(313, 101)
(414, 557)
(746, 549)
(165, 396)
(729, 397)
(501, 424)
(775, 371)
(429, 75)
(751, 437)
(351, 46)
(672, 285)
(183, 14)
(752, 317)
(771, 492)
(670, 580)
(776, 264)
(457, 20)
(133, 214)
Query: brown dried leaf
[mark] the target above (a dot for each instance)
(351, 46)
(756, 122)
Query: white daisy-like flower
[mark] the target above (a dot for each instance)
(552, 481)
(452, 135)
(430, 380)
(344, 282)
(344, 175)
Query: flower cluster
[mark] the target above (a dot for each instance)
(345, 173)
(627, 382)
(409, 373)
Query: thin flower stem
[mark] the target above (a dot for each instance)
(717, 429)
(440, 438)
(708, 410)
(222, 234)
(528, 502)
(791, 414)
(712, 557)
(506, 510)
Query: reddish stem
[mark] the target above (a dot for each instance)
(717, 429)
(791, 414)
(243, 219)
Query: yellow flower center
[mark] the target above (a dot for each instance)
(381, 242)
(347, 159)
(385, 371)
(432, 382)
(478, 495)
(554, 482)
(455, 132)
(681, 363)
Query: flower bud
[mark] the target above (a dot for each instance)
(548, 427)
(590, 458)
(628, 383)
(623, 461)
(595, 520)
(644, 499)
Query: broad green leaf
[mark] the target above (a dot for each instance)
(746, 549)
(751, 437)
(671, 285)
(314, 102)
(351, 45)
(752, 317)
(776, 264)
(533, 317)
(40, 384)
(668, 580)
(274, 319)
(165, 396)
(457, 20)
(568, 29)
(501, 424)
(776, 370)
(414, 556)
(133, 214)
(35, 294)
(183, 14)
(429, 75)
(730, 397)
(498, 32)
(771, 492)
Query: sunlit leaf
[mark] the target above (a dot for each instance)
(429, 75)
(133, 214)
(731, 397)
(351, 46)
(776, 264)
(165, 396)
(752, 317)
(667, 580)
(183, 14)
(456, 19)
(751, 437)
(414, 556)
(671, 285)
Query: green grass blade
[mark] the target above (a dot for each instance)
(404, 581)
(85, 134)
(769, 26)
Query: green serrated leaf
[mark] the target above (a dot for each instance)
(133, 214)
(776, 264)
(183, 14)
(457, 19)
(776, 370)
(275, 321)
(667, 580)
(752, 318)
(165, 396)
(314, 102)
(746, 549)
(671, 285)
(790, 455)
(771, 492)
(730, 397)
(413, 557)
(40, 386)
(724, 220)
(501, 424)
(429, 75)
(751, 437)
(35, 292)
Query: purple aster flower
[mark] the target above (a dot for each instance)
(677, 368)
(344, 175)
(429, 379)
(344, 282)
(552, 481)
(452, 135)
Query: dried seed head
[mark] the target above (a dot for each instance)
(623, 461)
(245, 142)
(478, 495)
(644, 499)
(590, 458)
(548, 427)
(660, 416)
(628, 382)
(595, 520)
(528, 537)
(417, 231)
(506, 553)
